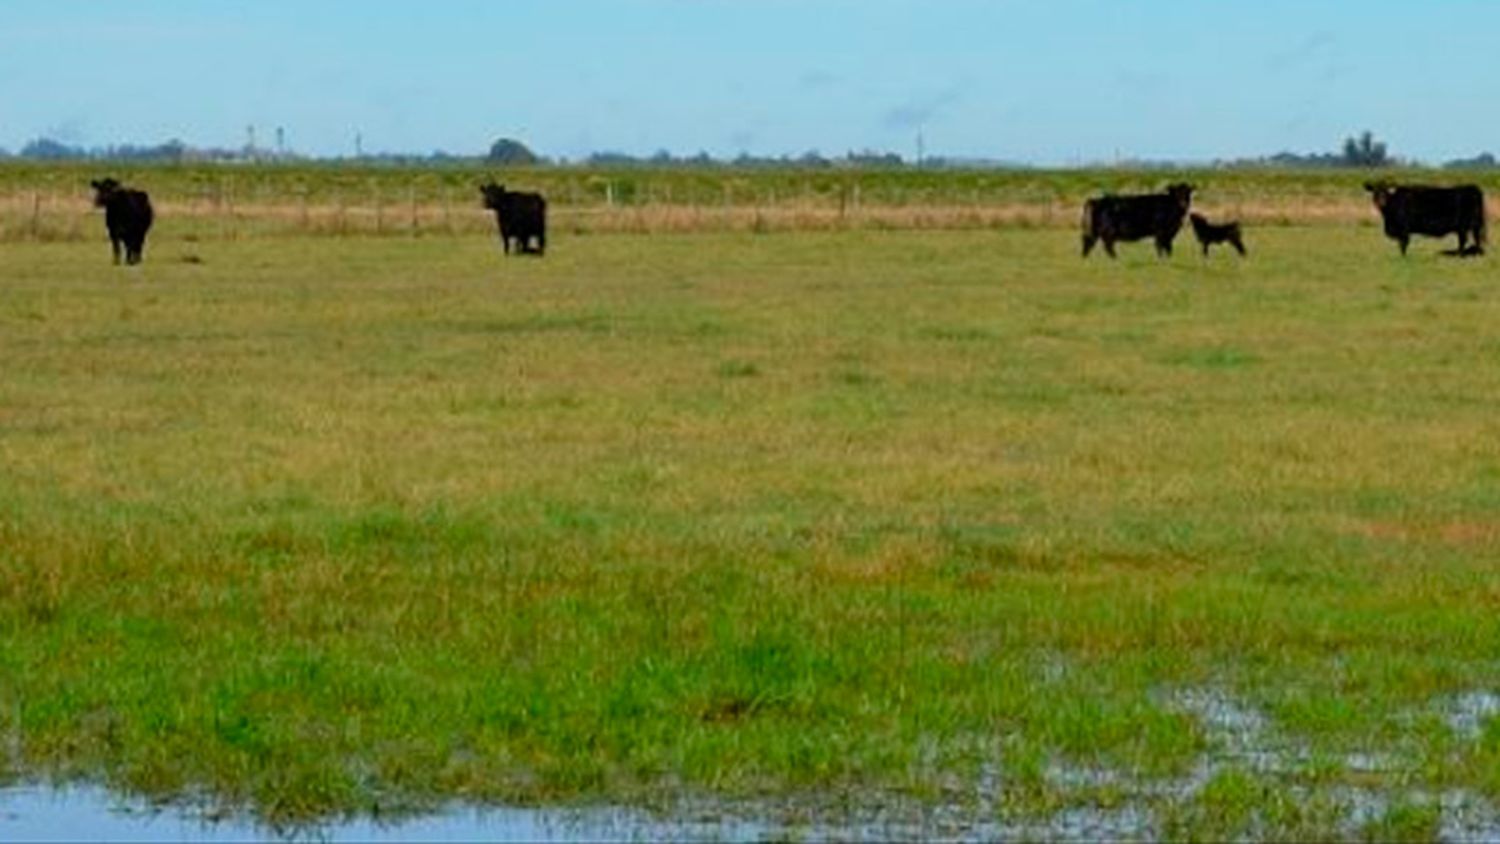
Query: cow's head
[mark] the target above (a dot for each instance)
(1182, 192)
(493, 194)
(104, 190)
(1380, 192)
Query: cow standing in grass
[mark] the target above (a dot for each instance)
(522, 216)
(127, 216)
(1435, 212)
(1112, 218)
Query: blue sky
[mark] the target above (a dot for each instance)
(1060, 82)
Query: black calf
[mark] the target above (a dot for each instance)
(1211, 233)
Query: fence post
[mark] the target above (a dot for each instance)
(226, 209)
(411, 198)
(75, 231)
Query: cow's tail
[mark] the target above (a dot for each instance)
(1088, 233)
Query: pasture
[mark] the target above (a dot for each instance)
(832, 522)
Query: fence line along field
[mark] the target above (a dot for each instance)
(52, 202)
(830, 523)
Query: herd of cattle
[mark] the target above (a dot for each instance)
(1406, 210)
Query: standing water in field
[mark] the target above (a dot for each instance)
(91, 813)
(41, 813)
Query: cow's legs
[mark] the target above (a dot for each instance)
(1239, 245)
(1163, 247)
(114, 245)
(505, 243)
(1403, 242)
(1109, 247)
(1088, 244)
(541, 243)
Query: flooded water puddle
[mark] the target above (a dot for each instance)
(1469, 712)
(39, 813)
(1241, 738)
(90, 813)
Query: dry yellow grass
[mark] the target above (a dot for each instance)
(70, 217)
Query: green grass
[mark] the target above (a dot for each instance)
(319, 526)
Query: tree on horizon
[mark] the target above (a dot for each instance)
(510, 151)
(1365, 151)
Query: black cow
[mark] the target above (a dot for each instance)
(1210, 233)
(127, 215)
(1435, 212)
(522, 216)
(1112, 218)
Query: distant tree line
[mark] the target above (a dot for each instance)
(1482, 161)
(1357, 151)
(811, 160)
(504, 152)
(170, 152)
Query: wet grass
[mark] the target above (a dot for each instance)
(327, 526)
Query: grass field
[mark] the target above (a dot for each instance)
(810, 520)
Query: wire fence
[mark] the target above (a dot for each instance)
(228, 211)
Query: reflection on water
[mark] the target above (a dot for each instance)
(89, 813)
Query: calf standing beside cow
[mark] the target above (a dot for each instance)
(1125, 217)
(1405, 210)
